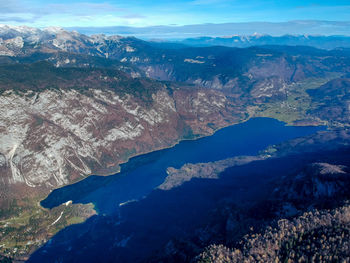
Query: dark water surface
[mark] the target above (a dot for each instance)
(143, 173)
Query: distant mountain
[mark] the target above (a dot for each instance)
(324, 42)
(210, 67)
(72, 105)
(300, 27)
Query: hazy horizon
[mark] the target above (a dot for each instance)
(182, 18)
(94, 13)
(176, 32)
(301, 27)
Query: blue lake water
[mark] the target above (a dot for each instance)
(142, 174)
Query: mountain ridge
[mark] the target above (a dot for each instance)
(300, 27)
(74, 105)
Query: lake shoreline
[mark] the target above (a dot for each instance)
(93, 183)
(117, 167)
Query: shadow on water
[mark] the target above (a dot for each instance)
(146, 226)
(133, 232)
(143, 173)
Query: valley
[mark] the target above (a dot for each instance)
(73, 106)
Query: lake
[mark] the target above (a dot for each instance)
(141, 174)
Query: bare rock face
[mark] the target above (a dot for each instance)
(263, 72)
(48, 39)
(61, 124)
(330, 169)
(73, 105)
(55, 137)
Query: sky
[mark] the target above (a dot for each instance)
(140, 13)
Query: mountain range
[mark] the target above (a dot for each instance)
(171, 32)
(322, 42)
(74, 105)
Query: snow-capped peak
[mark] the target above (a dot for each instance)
(53, 29)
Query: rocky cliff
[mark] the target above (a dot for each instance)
(73, 105)
(57, 127)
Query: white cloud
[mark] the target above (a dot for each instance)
(83, 13)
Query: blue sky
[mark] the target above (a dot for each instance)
(140, 13)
